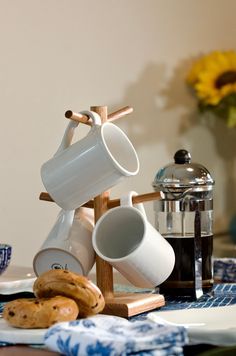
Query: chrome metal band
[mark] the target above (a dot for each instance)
(183, 205)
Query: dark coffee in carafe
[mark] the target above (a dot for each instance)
(184, 216)
(181, 280)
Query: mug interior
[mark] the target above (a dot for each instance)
(119, 233)
(120, 149)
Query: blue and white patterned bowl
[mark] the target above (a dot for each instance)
(5, 256)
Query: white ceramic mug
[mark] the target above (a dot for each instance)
(90, 166)
(124, 238)
(69, 243)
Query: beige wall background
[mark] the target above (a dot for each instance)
(70, 54)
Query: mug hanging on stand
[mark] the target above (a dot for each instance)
(90, 166)
(124, 238)
(69, 243)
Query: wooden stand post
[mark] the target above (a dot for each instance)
(104, 272)
(120, 304)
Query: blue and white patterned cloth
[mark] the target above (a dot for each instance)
(225, 270)
(114, 336)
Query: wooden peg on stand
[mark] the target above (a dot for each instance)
(111, 117)
(121, 304)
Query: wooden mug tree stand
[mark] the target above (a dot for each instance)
(120, 304)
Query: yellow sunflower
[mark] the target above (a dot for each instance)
(197, 68)
(213, 76)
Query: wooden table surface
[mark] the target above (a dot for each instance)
(25, 351)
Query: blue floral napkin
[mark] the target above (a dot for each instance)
(114, 336)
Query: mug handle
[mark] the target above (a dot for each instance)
(61, 229)
(126, 200)
(66, 217)
(69, 132)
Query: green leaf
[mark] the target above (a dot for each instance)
(231, 120)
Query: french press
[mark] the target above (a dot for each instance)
(184, 216)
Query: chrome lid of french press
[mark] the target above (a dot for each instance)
(183, 184)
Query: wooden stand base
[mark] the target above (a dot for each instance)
(130, 304)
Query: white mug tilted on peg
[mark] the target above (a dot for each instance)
(69, 243)
(124, 238)
(80, 171)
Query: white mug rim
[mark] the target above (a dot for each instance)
(123, 170)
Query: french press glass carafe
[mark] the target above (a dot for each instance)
(184, 216)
